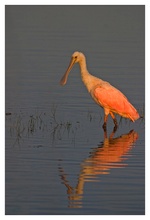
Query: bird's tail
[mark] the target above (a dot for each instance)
(133, 114)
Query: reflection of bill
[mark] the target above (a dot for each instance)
(110, 154)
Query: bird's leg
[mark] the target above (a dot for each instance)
(115, 121)
(112, 134)
(105, 133)
(105, 122)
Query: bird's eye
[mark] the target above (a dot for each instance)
(75, 57)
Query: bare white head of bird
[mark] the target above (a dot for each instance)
(76, 56)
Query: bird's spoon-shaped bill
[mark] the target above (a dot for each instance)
(63, 80)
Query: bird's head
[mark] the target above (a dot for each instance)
(76, 57)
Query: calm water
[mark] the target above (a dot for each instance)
(58, 158)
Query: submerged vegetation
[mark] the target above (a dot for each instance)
(22, 125)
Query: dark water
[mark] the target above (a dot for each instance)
(58, 158)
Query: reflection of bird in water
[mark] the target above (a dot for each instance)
(110, 154)
(104, 94)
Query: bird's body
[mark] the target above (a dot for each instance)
(104, 94)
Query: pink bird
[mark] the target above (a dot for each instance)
(104, 94)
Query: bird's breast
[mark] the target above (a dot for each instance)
(91, 82)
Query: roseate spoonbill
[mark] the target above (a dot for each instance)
(104, 94)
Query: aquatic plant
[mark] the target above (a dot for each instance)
(22, 125)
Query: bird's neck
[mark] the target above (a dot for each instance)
(82, 64)
(85, 75)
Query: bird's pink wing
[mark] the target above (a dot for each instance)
(113, 100)
(110, 97)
